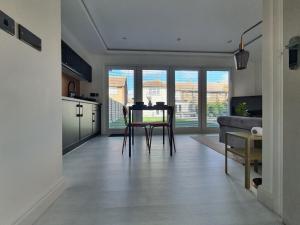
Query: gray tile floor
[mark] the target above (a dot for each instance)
(106, 188)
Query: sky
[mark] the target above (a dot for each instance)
(180, 76)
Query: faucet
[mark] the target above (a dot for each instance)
(73, 92)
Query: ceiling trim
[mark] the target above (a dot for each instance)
(165, 52)
(150, 51)
(93, 23)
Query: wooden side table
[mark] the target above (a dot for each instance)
(249, 153)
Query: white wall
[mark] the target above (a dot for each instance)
(30, 131)
(291, 120)
(247, 82)
(270, 193)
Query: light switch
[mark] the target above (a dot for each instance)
(7, 23)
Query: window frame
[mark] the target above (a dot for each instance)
(204, 127)
(107, 129)
(188, 129)
(138, 93)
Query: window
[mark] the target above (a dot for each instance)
(186, 98)
(198, 95)
(121, 92)
(217, 96)
(154, 89)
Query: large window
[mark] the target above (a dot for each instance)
(121, 92)
(154, 89)
(199, 96)
(186, 98)
(217, 96)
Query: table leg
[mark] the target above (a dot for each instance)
(247, 164)
(129, 133)
(171, 141)
(163, 127)
(226, 154)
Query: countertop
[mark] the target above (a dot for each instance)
(79, 100)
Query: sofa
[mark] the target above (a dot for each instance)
(237, 123)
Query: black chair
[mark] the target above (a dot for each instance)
(133, 124)
(168, 125)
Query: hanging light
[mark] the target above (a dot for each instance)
(241, 57)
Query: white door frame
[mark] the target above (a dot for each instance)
(271, 191)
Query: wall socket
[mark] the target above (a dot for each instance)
(7, 23)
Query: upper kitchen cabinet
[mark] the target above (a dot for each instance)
(74, 65)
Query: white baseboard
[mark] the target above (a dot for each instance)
(266, 198)
(32, 214)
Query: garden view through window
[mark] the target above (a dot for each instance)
(121, 93)
(186, 98)
(217, 96)
(186, 95)
(154, 89)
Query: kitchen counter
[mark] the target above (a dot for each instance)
(79, 100)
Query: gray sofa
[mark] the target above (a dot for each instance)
(236, 124)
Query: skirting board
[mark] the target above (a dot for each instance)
(38, 209)
(267, 199)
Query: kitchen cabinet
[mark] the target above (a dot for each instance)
(70, 123)
(96, 119)
(86, 120)
(80, 122)
(74, 65)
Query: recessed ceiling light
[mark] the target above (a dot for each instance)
(124, 38)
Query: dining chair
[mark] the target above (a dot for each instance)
(168, 125)
(133, 124)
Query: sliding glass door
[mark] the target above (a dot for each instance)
(120, 93)
(217, 96)
(186, 98)
(154, 90)
(198, 95)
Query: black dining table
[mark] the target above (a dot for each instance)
(145, 108)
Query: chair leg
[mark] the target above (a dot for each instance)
(173, 138)
(147, 139)
(125, 139)
(150, 136)
(170, 137)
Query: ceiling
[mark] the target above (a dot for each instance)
(161, 25)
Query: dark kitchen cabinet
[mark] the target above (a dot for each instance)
(74, 65)
(78, 122)
(96, 119)
(86, 120)
(70, 125)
